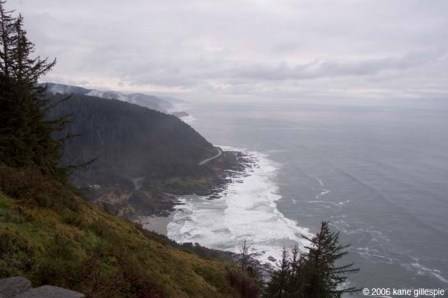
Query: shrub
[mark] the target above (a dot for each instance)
(71, 218)
(59, 263)
(16, 255)
(31, 186)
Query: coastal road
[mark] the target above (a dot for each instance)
(211, 158)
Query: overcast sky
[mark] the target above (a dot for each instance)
(246, 48)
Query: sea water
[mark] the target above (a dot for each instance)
(377, 171)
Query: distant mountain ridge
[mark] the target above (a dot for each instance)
(144, 100)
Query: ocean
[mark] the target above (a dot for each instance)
(376, 170)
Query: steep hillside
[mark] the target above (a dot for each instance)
(51, 236)
(138, 154)
(130, 141)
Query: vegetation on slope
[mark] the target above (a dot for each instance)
(51, 236)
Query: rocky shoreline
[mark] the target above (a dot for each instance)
(153, 210)
(151, 202)
(231, 165)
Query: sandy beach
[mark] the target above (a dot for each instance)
(157, 224)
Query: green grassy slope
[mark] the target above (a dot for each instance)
(52, 236)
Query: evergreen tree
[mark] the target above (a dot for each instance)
(315, 274)
(324, 278)
(278, 286)
(246, 257)
(25, 133)
(249, 265)
(295, 284)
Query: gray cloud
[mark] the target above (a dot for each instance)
(281, 48)
(329, 68)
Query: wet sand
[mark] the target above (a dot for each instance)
(157, 224)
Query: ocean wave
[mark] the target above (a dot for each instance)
(377, 250)
(419, 269)
(245, 211)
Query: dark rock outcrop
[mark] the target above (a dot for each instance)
(20, 287)
(10, 287)
(50, 292)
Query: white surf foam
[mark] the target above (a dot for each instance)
(422, 270)
(324, 191)
(245, 210)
